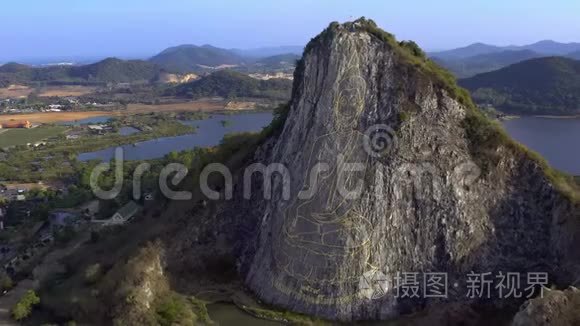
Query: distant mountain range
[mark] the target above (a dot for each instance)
(543, 47)
(193, 58)
(180, 60)
(548, 85)
(105, 71)
(480, 63)
(289, 58)
(269, 51)
(479, 57)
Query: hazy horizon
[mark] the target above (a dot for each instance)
(139, 29)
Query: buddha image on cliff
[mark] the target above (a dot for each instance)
(330, 228)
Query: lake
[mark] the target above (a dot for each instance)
(86, 121)
(209, 133)
(127, 131)
(557, 140)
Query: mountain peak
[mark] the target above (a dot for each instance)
(480, 44)
(362, 97)
(110, 60)
(191, 58)
(13, 67)
(546, 42)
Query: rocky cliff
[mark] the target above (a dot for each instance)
(384, 167)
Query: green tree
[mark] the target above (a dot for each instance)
(5, 282)
(174, 310)
(23, 308)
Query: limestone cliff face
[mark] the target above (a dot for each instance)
(424, 202)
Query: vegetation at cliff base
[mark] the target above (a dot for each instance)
(173, 309)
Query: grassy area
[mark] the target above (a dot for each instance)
(15, 137)
(57, 159)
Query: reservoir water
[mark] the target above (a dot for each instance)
(86, 121)
(209, 133)
(127, 131)
(557, 140)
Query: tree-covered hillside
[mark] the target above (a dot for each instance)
(116, 70)
(231, 84)
(105, 71)
(191, 58)
(539, 86)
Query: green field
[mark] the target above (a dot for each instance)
(14, 137)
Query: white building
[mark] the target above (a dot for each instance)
(122, 216)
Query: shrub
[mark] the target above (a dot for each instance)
(404, 116)
(413, 48)
(23, 308)
(277, 124)
(174, 309)
(5, 282)
(93, 273)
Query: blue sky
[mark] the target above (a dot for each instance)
(139, 28)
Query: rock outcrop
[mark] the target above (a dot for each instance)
(168, 78)
(556, 308)
(380, 170)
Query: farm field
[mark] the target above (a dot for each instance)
(69, 90)
(18, 91)
(51, 117)
(15, 137)
(175, 107)
(15, 91)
